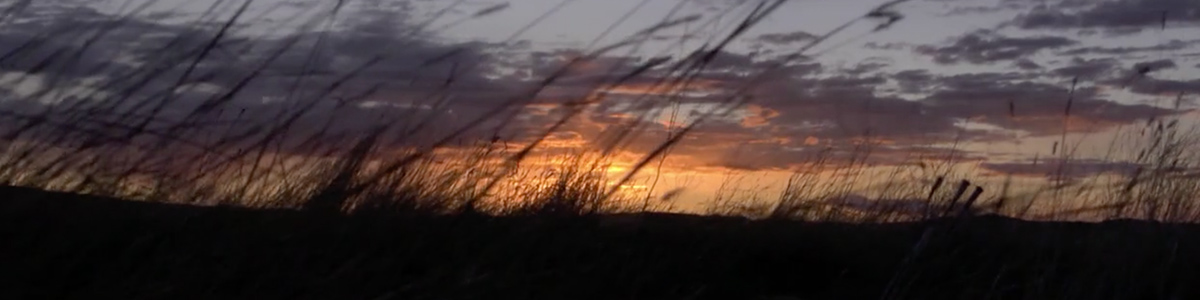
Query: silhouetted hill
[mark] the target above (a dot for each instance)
(69, 246)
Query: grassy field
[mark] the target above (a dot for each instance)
(350, 154)
(65, 246)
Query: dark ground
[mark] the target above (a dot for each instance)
(58, 246)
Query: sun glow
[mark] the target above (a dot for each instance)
(616, 169)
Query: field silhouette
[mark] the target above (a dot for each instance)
(69, 246)
(346, 150)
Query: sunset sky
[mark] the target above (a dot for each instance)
(983, 83)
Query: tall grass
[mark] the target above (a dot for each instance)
(172, 127)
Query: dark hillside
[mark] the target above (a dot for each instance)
(67, 246)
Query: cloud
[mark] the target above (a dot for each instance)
(800, 115)
(786, 38)
(987, 47)
(1161, 87)
(331, 83)
(1014, 102)
(1053, 168)
(795, 118)
(913, 81)
(1088, 69)
(129, 44)
(1156, 65)
(1118, 17)
(867, 66)
(1171, 45)
(845, 111)
(1026, 64)
(982, 9)
(801, 111)
(886, 46)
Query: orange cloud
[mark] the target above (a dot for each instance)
(773, 141)
(758, 116)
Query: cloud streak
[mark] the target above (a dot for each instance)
(987, 47)
(1119, 17)
(373, 68)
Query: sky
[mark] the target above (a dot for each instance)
(995, 85)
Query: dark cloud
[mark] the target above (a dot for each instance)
(1172, 45)
(1026, 64)
(1088, 69)
(1140, 78)
(1159, 87)
(800, 111)
(727, 61)
(718, 70)
(1156, 65)
(1012, 101)
(786, 38)
(833, 156)
(746, 150)
(77, 41)
(986, 47)
(142, 45)
(842, 108)
(1115, 17)
(886, 46)
(366, 70)
(794, 120)
(867, 66)
(981, 10)
(836, 117)
(957, 7)
(913, 81)
(1053, 168)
